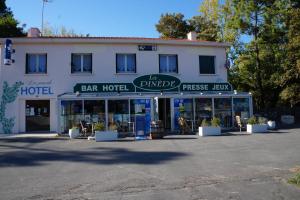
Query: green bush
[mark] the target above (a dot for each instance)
(215, 122)
(205, 123)
(295, 180)
(262, 120)
(99, 126)
(252, 120)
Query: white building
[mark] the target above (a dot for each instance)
(120, 81)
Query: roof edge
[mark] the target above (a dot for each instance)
(112, 40)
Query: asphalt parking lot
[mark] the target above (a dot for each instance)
(175, 168)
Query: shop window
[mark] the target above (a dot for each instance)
(126, 63)
(241, 108)
(207, 64)
(168, 64)
(118, 115)
(184, 108)
(81, 63)
(71, 114)
(36, 63)
(203, 110)
(223, 111)
(94, 111)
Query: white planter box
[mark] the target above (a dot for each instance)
(209, 131)
(271, 125)
(73, 133)
(257, 128)
(288, 119)
(106, 136)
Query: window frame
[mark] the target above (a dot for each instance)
(168, 67)
(126, 67)
(214, 67)
(37, 66)
(81, 63)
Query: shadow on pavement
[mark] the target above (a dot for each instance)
(27, 156)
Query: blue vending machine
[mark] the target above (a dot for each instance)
(142, 112)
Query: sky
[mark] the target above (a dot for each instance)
(128, 18)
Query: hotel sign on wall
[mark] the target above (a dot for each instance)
(151, 83)
(156, 83)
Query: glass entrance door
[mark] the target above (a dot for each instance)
(37, 115)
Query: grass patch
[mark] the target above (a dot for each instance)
(296, 178)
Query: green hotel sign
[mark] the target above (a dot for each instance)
(151, 83)
(156, 82)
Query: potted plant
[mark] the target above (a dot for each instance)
(74, 132)
(255, 125)
(102, 135)
(212, 128)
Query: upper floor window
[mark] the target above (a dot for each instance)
(126, 63)
(36, 63)
(207, 64)
(168, 64)
(81, 62)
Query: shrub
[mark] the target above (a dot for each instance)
(252, 120)
(262, 120)
(74, 128)
(215, 121)
(205, 123)
(113, 127)
(99, 126)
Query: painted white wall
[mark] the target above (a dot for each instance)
(104, 69)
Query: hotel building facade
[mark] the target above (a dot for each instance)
(50, 84)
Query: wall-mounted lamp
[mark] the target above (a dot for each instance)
(250, 93)
(140, 94)
(161, 92)
(181, 93)
(77, 93)
(220, 93)
(201, 93)
(118, 92)
(235, 91)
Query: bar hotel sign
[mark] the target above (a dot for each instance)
(151, 83)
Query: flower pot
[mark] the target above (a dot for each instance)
(271, 125)
(209, 131)
(257, 128)
(106, 136)
(73, 133)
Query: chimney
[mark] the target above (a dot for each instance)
(34, 32)
(192, 35)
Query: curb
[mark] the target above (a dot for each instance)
(29, 135)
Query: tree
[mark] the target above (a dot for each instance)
(251, 18)
(205, 29)
(60, 31)
(290, 78)
(268, 65)
(9, 25)
(172, 26)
